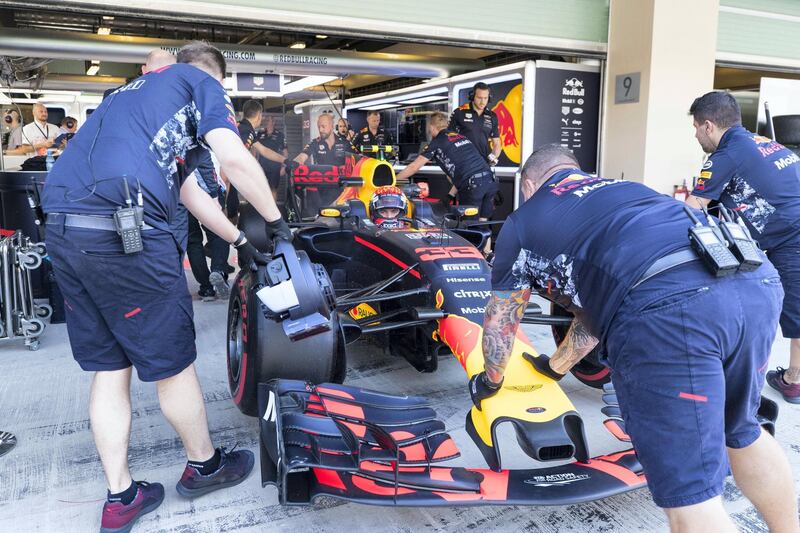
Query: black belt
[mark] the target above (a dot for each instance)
(668, 262)
(98, 222)
(476, 180)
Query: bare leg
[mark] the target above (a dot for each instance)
(709, 515)
(792, 374)
(182, 404)
(764, 475)
(110, 415)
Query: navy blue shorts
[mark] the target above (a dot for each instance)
(481, 197)
(124, 310)
(688, 354)
(786, 259)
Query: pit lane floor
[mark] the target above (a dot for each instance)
(52, 480)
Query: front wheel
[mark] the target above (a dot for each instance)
(589, 370)
(259, 350)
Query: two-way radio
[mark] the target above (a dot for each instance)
(128, 222)
(710, 247)
(740, 242)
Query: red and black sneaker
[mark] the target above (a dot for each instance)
(234, 467)
(120, 518)
(789, 391)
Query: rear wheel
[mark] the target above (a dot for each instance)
(589, 371)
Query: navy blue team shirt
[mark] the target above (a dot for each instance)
(758, 178)
(583, 242)
(148, 130)
(456, 156)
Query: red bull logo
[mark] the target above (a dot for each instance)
(461, 335)
(509, 123)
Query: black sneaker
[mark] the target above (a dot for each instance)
(207, 295)
(234, 467)
(217, 279)
(119, 518)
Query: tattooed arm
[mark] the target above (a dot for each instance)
(577, 345)
(503, 314)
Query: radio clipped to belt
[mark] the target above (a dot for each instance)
(128, 222)
(718, 247)
(740, 242)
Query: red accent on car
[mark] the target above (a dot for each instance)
(387, 255)
(329, 478)
(134, 312)
(367, 485)
(334, 392)
(614, 470)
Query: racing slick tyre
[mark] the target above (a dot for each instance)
(787, 129)
(589, 371)
(260, 350)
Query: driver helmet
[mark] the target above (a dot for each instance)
(387, 205)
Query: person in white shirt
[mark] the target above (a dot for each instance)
(39, 134)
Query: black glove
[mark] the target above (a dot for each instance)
(542, 365)
(250, 257)
(279, 229)
(481, 388)
(447, 201)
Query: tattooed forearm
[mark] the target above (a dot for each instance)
(503, 314)
(576, 346)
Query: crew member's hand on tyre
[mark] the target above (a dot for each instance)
(542, 365)
(481, 388)
(279, 229)
(249, 256)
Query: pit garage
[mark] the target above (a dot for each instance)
(398, 312)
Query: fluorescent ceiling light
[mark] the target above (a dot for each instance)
(303, 83)
(423, 99)
(93, 69)
(103, 30)
(298, 45)
(379, 107)
(108, 17)
(320, 36)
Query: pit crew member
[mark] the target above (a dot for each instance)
(687, 349)
(251, 119)
(760, 180)
(133, 309)
(327, 149)
(275, 141)
(373, 133)
(457, 156)
(475, 121)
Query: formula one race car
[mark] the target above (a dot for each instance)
(421, 290)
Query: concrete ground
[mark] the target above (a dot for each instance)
(52, 480)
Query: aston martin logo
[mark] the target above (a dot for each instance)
(523, 388)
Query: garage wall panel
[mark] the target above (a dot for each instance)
(569, 26)
(764, 33)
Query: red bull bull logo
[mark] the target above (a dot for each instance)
(509, 123)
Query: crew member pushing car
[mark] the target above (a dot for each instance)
(475, 121)
(687, 349)
(373, 134)
(457, 156)
(110, 201)
(760, 180)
